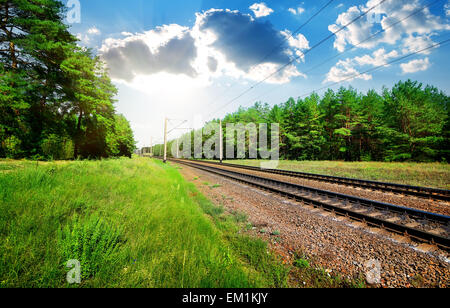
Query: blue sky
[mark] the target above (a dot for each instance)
(187, 59)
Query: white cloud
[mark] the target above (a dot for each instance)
(344, 70)
(88, 37)
(297, 11)
(414, 43)
(167, 49)
(299, 41)
(415, 66)
(354, 33)
(378, 58)
(447, 9)
(261, 10)
(94, 31)
(390, 12)
(413, 31)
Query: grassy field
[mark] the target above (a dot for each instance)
(420, 174)
(130, 223)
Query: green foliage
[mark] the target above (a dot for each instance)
(301, 263)
(408, 123)
(53, 91)
(90, 241)
(57, 147)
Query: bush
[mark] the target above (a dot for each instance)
(57, 147)
(12, 147)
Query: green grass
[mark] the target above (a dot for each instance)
(420, 174)
(132, 223)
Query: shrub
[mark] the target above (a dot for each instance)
(92, 242)
(56, 147)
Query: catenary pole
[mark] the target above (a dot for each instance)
(165, 140)
(220, 142)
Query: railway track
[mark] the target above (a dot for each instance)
(419, 225)
(423, 192)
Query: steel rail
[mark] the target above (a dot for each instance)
(274, 186)
(424, 192)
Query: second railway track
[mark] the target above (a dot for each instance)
(422, 192)
(420, 225)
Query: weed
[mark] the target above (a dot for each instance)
(239, 217)
(301, 263)
(91, 241)
(417, 281)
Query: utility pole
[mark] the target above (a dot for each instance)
(151, 146)
(165, 140)
(177, 149)
(221, 142)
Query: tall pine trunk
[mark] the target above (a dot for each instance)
(78, 135)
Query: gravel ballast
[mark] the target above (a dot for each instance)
(334, 243)
(429, 205)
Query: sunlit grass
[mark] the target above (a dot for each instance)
(158, 231)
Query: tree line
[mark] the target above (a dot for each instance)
(56, 98)
(409, 122)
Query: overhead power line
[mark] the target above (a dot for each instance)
(297, 30)
(379, 66)
(373, 35)
(356, 45)
(276, 47)
(298, 56)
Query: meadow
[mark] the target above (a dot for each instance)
(130, 223)
(419, 174)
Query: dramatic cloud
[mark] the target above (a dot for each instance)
(241, 43)
(261, 10)
(221, 42)
(168, 49)
(415, 66)
(297, 11)
(212, 64)
(242, 40)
